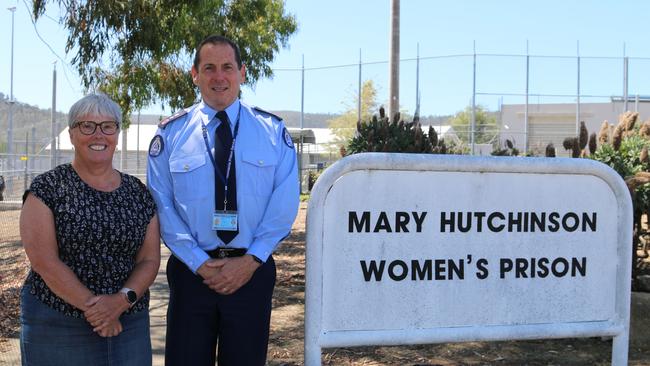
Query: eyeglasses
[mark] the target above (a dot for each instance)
(89, 127)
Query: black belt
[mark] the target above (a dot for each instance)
(227, 252)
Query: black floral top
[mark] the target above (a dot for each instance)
(98, 233)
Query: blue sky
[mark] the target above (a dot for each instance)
(334, 32)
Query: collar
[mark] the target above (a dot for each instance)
(207, 113)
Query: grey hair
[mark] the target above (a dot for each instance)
(98, 104)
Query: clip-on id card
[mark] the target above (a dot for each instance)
(225, 220)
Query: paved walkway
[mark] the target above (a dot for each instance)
(158, 310)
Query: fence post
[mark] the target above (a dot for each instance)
(53, 123)
(137, 146)
(625, 83)
(473, 117)
(359, 95)
(578, 93)
(302, 121)
(526, 108)
(26, 160)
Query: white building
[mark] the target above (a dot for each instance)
(554, 122)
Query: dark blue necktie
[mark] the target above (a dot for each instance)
(222, 145)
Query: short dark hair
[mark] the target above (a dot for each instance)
(216, 39)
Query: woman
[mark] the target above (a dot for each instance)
(92, 237)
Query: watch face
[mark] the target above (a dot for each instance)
(131, 296)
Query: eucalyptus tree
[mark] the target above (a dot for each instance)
(140, 52)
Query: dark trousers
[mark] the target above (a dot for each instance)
(199, 319)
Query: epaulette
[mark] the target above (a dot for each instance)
(172, 118)
(260, 110)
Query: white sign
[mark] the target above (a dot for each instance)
(406, 249)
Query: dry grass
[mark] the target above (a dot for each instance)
(13, 269)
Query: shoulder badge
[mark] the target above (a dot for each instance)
(156, 146)
(287, 138)
(260, 110)
(172, 118)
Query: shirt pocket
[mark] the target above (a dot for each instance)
(257, 174)
(189, 177)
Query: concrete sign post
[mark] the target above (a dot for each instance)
(413, 249)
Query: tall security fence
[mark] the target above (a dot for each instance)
(537, 99)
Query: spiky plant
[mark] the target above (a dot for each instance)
(383, 135)
(603, 134)
(644, 130)
(628, 155)
(508, 150)
(593, 144)
(617, 136)
(583, 136)
(550, 150)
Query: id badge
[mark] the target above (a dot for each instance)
(225, 220)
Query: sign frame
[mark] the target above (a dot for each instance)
(316, 337)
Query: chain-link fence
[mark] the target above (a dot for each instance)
(545, 96)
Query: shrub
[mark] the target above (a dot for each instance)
(625, 151)
(509, 149)
(382, 135)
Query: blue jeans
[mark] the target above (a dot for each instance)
(49, 337)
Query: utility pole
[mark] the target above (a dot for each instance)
(393, 63)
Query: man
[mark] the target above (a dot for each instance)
(224, 177)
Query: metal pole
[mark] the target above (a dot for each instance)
(636, 103)
(417, 84)
(393, 63)
(26, 160)
(578, 93)
(137, 146)
(302, 121)
(58, 143)
(10, 131)
(625, 82)
(526, 108)
(473, 116)
(124, 151)
(360, 90)
(31, 161)
(53, 124)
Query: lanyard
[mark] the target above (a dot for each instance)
(204, 130)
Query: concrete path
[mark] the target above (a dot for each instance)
(158, 310)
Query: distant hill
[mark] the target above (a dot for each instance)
(320, 120)
(311, 120)
(26, 117)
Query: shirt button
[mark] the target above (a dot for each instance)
(186, 167)
(261, 162)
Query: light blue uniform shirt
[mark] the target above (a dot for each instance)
(181, 178)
